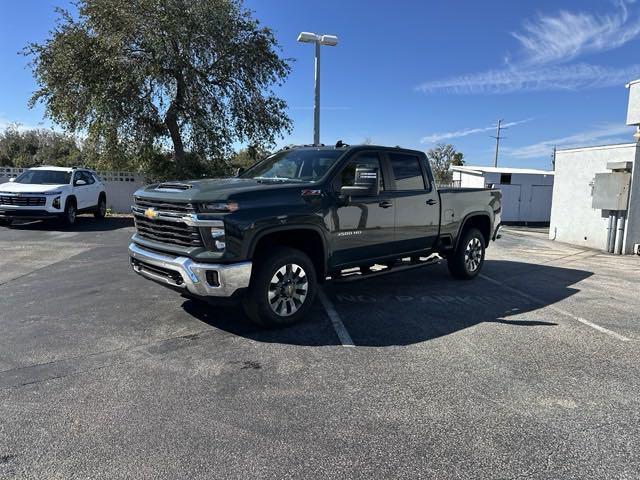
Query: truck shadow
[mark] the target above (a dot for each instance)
(414, 306)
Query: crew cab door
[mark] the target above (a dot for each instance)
(363, 227)
(417, 209)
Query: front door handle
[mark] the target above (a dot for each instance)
(385, 204)
(431, 201)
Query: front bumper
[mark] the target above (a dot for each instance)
(183, 273)
(27, 213)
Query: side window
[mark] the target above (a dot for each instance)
(348, 175)
(77, 176)
(406, 171)
(89, 178)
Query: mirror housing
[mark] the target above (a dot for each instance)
(12, 179)
(366, 184)
(238, 171)
(80, 183)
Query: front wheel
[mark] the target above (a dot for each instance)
(6, 221)
(467, 261)
(282, 289)
(70, 212)
(101, 209)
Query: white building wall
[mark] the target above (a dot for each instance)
(573, 220)
(469, 180)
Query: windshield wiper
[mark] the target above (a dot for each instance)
(277, 179)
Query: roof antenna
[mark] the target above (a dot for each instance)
(340, 144)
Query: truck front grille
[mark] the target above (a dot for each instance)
(172, 231)
(22, 201)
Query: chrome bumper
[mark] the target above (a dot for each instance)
(182, 272)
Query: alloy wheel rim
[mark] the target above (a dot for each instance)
(473, 255)
(288, 289)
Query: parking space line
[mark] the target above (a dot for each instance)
(584, 321)
(336, 321)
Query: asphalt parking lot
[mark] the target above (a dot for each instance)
(528, 372)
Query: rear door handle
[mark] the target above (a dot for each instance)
(431, 201)
(385, 204)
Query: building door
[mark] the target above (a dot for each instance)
(510, 202)
(540, 203)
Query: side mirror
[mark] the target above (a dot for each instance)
(366, 184)
(80, 183)
(239, 171)
(12, 179)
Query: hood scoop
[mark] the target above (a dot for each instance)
(172, 186)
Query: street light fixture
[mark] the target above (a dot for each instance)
(329, 41)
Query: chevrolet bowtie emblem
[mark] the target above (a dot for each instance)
(151, 213)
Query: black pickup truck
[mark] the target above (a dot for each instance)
(269, 235)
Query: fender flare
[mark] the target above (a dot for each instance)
(281, 228)
(463, 223)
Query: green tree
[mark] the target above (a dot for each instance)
(147, 75)
(29, 148)
(441, 158)
(246, 157)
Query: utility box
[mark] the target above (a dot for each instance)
(611, 191)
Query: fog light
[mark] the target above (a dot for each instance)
(56, 203)
(212, 278)
(218, 236)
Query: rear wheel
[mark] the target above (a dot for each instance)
(467, 261)
(282, 289)
(70, 212)
(6, 221)
(101, 209)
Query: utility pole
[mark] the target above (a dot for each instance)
(553, 159)
(497, 137)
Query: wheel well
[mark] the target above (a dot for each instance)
(71, 198)
(482, 223)
(304, 239)
(102, 195)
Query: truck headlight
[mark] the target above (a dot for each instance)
(56, 202)
(219, 207)
(217, 233)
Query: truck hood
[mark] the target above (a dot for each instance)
(12, 187)
(211, 189)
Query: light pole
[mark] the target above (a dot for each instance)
(331, 41)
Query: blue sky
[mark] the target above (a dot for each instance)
(414, 73)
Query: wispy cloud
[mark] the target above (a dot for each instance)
(568, 35)
(547, 45)
(601, 133)
(560, 77)
(438, 137)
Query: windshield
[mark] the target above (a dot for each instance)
(298, 165)
(44, 177)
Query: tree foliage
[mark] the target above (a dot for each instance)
(246, 157)
(139, 76)
(442, 157)
(29, 148)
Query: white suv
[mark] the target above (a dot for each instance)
(45, 192)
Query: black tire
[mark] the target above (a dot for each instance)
(265, 298)
(467, 261)
(101, 209)
(6, 221)
(70, 212)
